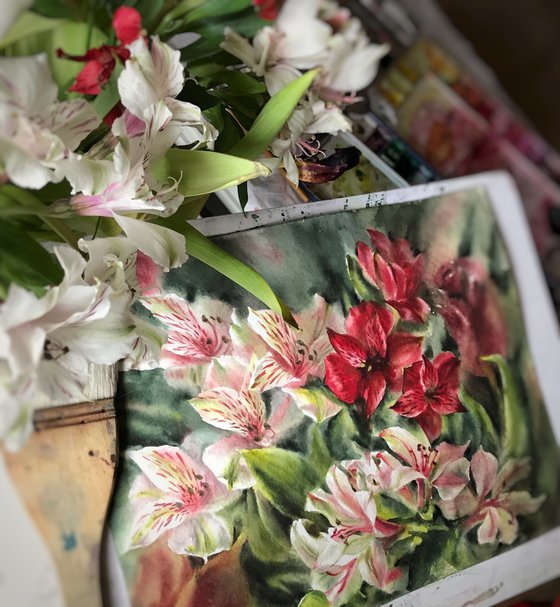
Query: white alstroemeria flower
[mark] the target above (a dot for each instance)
(54, 337)
(164, 246)
(36, 131)
(298, 136)
(111, 261)
(298, 40)
(125, 183)
(353, 61)
(114, 261)
(11, 9)
(155, 74)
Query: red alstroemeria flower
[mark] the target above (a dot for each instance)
(470, 304)
(391, 267)
(431, 390)
(370, 359)
(267, 9)
(100, 62)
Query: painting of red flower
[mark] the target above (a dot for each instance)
(391, 266)
(431, 390)
(370, 358)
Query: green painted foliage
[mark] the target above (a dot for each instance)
(283, 478)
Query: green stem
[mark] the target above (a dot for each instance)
(90, 18)
(63, 231)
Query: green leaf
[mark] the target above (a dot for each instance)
(341, 436)
(63, 9)
(490, 440)
(148, 9)
(282, 477)
(174, 17)
(389, 508)
(201, 172)
(515, 430)
(212, 9)
(266, 537)
(319, 454)
(28, 24)
(362, 288)
(314, 599)
(212, 35)
(273, 117)
(16, 201)
(24, 261)
(238, 83)
(211, 254)
(190, 12)
(317, 402)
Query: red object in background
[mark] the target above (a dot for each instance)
(267, 9)
(100, 62)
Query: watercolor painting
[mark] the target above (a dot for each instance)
(395, 437)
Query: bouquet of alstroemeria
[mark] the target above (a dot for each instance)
(117, 124)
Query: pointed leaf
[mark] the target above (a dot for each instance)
(362, 288)
(319, 453)
(490, 440)
(212, 9)
(191, 11)
(24, 261)
(200, 172)
(515, 435)
(273, 117)
(282, 477)
(314, 599)
(211, 254)
(266, 537)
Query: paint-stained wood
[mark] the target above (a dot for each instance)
(64, 475)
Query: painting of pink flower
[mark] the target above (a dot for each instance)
(442, 467)
(179, 498)
(354, 548)
(431, 390)
(391, 266)
(492, 506)
(192, 338)
(293, 354)
(230, 404)
(370, 358)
